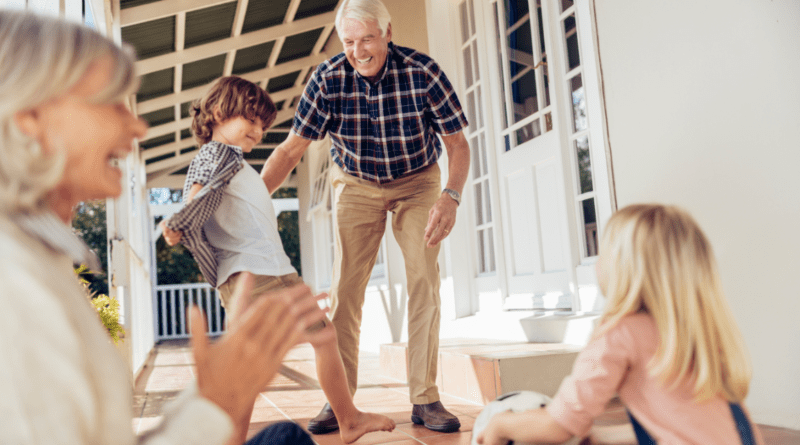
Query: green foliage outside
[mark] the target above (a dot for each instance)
(107, 308)
(289, 229)
(89, 223)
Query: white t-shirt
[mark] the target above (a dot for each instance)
(244, 229)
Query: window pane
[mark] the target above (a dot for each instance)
(471, 109)
(589, 226)
(515, 10)
(468, 66)
(484, 160)
(471, 18)
(584, 164)
(565, 4)
(499, 42)
(481, 253)
(527, 132)
(490, 237)
(478, 204)
(487, 202)
(476, 160)
(578, 104)
(479, 105)
(476, 59)
(524, 95)
(571, 36)
(464, 23)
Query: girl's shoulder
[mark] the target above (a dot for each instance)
(638, 329)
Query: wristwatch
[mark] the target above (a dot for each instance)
(453, 194)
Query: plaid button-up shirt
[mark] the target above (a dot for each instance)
(213, 167)
(381, 131)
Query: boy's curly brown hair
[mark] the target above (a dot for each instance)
(230, 97)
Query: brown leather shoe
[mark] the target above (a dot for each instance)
(435, 417)
(325, 422)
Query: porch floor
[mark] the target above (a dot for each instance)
(295, 395)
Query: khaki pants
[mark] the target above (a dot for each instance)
(261, 285)
(361, 208)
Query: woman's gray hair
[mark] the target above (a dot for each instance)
(41, 59)
(364, 11)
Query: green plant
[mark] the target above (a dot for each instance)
(107, 308)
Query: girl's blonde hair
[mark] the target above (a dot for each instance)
(660, 262)
(364, 11)
(41, 59)
(230, 97)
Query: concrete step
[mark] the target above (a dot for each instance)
(480, 370)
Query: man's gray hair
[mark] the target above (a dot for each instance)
(364, 11)
(41, 59)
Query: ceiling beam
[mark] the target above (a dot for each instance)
(164, 8)
(254, 76)
(223, 46)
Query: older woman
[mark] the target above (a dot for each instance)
(63, 125)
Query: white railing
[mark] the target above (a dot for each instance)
(171, 302)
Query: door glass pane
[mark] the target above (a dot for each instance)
(571, 37)
(543, 52)
(484, 161)
(566, 4)
(471, 9)
(584, 164)
(471, 108)
(468, 66)
(487, 201)
(481, 253)
(589, 226)
(476, 159)
(478, 204)
(515, 10)
(527, 132)
(464, 23)
(490, 236)
(578, 104)
(499, 42)
(524, 95)
(479, 105)
(476, 59)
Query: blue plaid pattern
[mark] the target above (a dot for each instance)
(383, 131)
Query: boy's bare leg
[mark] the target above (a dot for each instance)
(333, 380)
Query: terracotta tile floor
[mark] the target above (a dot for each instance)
(295, 395)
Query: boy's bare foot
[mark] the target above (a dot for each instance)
(362, 423)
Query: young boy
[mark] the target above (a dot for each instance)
(230, 226)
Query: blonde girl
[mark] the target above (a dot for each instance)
(667, 343)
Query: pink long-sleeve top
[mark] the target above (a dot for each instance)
(616, 363)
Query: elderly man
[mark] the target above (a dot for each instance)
(383, 105)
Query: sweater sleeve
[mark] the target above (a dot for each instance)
(190, 419)
(596, 375)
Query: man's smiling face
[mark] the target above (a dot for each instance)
(364, 46)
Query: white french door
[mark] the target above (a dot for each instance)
(529, 162)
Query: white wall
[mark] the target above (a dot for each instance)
(703, 107)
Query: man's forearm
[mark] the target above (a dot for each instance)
(281, 162)
(458, 159)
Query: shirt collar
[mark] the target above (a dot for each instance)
(47, 228)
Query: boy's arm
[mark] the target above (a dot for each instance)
(173, 237)
(281, 162)
(529, 426)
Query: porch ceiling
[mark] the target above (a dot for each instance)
(183, 45)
